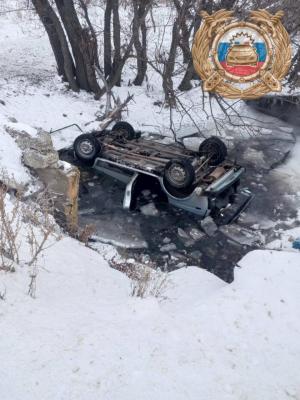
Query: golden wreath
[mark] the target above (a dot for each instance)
(269, 26)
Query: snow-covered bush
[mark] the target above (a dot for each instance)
(149, 282)
(26, 230)
(146, 280)
(10, 226)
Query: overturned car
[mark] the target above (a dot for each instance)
(204, 182)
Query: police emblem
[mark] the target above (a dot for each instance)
(242, 59)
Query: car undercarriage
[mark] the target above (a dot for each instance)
(204, 182)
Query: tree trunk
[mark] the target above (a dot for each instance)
(183, 12)
(116, 76)
(117, 40)
(58, 41)
(169, 68)
(185, 42)
(107, 40)
(139, 25)
(186, 84)
(190, 73)
(84, 6)
(83, 46)
(294, 76)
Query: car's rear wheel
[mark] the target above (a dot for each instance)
(126, 129)
(214, 149)
(179, 174)
(86, 147)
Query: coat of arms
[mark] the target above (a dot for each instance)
(242, 59)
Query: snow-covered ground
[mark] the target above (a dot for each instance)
(291, 168)
(84, 336)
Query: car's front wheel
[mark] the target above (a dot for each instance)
(179, 174)
(86, 147)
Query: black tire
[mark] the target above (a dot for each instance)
(214, 149)
(179, 174)
(86, 147)
(126, 128)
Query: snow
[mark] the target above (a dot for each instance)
(291, 168)
(289, 176)
(149, 210)
(20, 127)
(285, 240)
(85, 336)
(12, 168)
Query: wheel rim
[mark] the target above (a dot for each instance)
(177, 174)
(86, 147)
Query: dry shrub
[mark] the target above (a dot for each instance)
(85, 234)
(33, 221)
(150, 283)
(10, 226)
(146, 280)
(41, 227)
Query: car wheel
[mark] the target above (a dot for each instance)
(179, 174)
(126, 129)
(214, 149)
(86, 147)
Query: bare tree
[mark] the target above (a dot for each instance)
(112, 32)
(122, 51)
(139, 29)
(83, 46)
(117, 41)
(58, 41)
(107, 39)
(169, 65)
(165, 62)
(76, 65)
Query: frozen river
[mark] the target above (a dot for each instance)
(173, 238)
